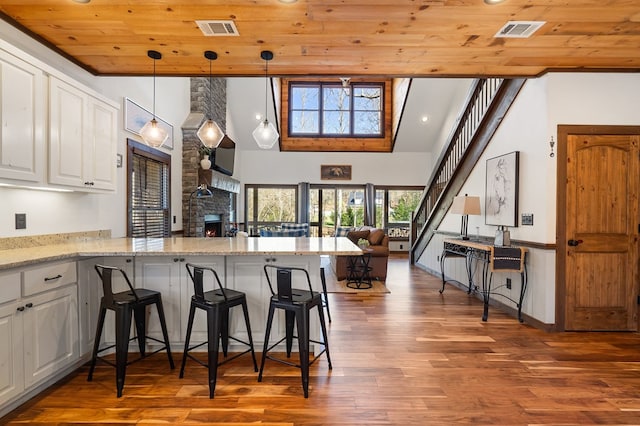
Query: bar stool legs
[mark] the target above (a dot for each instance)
(126, 304)
(217, 304)
(325, 303)
(297, 304)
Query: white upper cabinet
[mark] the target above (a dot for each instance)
(22, 111)
(82, 138)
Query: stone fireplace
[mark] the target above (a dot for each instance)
(224, 188)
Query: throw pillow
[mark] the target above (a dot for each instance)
(342, 231)
(375, 236)
(354, 236)
(282, 233)
(296, 226)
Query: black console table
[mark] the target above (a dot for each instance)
(491, 259)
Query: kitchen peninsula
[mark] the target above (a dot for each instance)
(49, 295)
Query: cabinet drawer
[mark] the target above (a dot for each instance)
(9, 286)
(47, 277)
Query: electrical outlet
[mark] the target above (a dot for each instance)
(527, 219)
(509, 283)
(21, 221)
(401, 246)
(174, 219)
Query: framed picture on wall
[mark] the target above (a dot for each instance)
(335, 172)
(501, 190)
(135, 117)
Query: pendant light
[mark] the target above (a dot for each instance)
(210, 133)
(152, 134)
(266, 134)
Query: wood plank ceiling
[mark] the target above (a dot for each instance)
(393, 38)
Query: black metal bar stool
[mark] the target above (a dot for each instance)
(126, 304)
(216, 303)
(296, 303)
(325, 301)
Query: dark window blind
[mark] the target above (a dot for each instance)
(149, 204)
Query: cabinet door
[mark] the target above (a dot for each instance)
(50, 330)
(67, 118)
(22, 147)
(163, 274)
(11, 360)
(100, 152)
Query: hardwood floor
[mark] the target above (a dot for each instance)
(411, 357)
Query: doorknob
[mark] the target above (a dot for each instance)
(574, 243)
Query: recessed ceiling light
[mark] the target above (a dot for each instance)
(424, 118)
(493, 1)
(82, 1)
(287, 1)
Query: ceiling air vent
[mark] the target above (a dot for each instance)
(519, 29)
(218, 28)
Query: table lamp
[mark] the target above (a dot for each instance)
(465, 205)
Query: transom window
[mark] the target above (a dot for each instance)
(328, 109)
(322, 115)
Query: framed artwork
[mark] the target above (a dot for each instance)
(135, 117)
(501, 190)
(335, 172)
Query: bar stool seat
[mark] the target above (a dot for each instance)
(217, 304)
(297, 304)
(126, 304)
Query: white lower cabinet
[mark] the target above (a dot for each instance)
(38, 326)
(168, 275)
(11, 352)
(50, 330)
(246, 274)
(90, 292)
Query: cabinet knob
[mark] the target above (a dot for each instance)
(29, 305)
(20, 308)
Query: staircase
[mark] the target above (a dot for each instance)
(489, 102)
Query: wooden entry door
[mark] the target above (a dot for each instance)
(601, 226)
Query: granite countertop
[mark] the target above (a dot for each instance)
(178, 246)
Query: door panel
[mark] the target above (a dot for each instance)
(601, 232)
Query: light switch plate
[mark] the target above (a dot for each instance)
(21, 221)
(527, 219)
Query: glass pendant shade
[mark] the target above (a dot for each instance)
(153, 135)
(210, 134)
(265, 134)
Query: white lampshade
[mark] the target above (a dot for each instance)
(465, 204)
(265, 134)
(210, 134)
(153, 135)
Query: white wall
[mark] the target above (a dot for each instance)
(49, 212)
(543, 104)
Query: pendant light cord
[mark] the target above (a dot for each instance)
(210, 92)
(154, 88)
(266, 93)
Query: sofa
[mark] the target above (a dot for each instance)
(379, 246)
